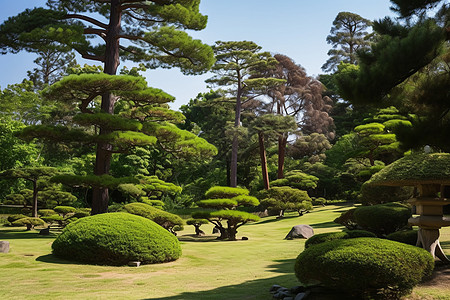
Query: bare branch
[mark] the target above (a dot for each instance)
(86, 18)
(101, 33)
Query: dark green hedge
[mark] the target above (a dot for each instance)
(330, 236)
(382, 219)
(161, 217)
(116, 239)
(365, 267)
(404, 236)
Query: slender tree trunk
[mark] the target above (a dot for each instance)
(282, 140)
(235, 145)
(100, 196)
(35, 199)
(262, 154)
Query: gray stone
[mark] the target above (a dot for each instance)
(134, 263)
(275, 288)
(301, 296)
(300, 232)
(4, 246)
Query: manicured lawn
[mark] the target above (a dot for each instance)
(206, 270)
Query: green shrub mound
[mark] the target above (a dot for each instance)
(13, 218)
(382, 219)
(64, 210)
(404, 236)
(331, 236)
(160, 217)
(365, 267)
(30, 222)
(116, 239)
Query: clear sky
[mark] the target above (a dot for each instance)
(296, 28)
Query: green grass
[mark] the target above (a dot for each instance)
(206, 270)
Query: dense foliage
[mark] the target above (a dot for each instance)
(365, 267)
(331, 236)
(383, 219)
(116, 239)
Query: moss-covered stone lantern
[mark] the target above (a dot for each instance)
(430, 174)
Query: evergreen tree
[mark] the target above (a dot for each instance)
(62, 27)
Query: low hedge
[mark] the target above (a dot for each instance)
(116, 239)
(383, 219)
(404, 236)
(365, 267)
(330, 236)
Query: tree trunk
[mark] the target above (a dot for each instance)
(235, 145)
(262, 154)
(34, 213)
(282, 140)
(100, 196)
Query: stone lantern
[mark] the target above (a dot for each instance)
(429, 174)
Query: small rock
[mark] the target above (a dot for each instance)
(275, 288)
(301, 296)
(134, 263)
(4, 246)
(244, 238)
(45, 231)
(300, 232)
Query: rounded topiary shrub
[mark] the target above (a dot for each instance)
(331, 236)
(382, 219)
(116, 239)
(404, 236)
(365, 267)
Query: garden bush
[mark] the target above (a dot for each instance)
(347, 219)
(197, 223)
(13, 218)
(383, 219)
(30, 222)
(46, 212)
(64, 210)
(330, 236)
(161, 217)
(116, 239)
(404, 236)
(365, 267)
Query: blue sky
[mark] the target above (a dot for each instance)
(296, 28)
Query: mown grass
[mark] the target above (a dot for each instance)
(206, 270)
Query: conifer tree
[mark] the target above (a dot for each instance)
(66, 25)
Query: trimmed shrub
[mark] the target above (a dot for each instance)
(383, 219)
(284, 198)
(225, 192)
(155, 203)
(213, 203)
(404, 236)
(30, 222)
(53, 219)
(46, 212)
(197, 223)
(331, 236)
(160, 217)
(347, 219)
(64, 210)
(116, 239)
(13, 218)
(365, 267)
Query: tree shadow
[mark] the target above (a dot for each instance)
(274, 220)
(50, 258)
(18, 234)
(329, 224)
(254, 289)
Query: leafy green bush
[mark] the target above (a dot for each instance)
(30, 222)
(284, 198)
(225, 192)
(53, 219)
(116, 239)
(13, 218)
(347, 219)
(404, 236)
(162, 218)
(365, 267)
(155, 203)
(46, 212)
(64, 210)
(383, 219)
(331, 236)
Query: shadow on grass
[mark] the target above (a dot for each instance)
(21, 234)
(254, 289)
(195, 238)
(271, 220)
(50, 258)
(329, 224)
